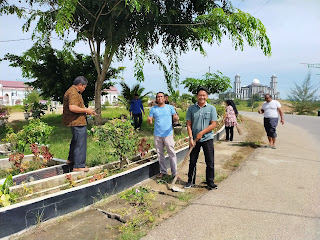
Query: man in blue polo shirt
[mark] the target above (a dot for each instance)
(163, 133)
(136, 109)
(201, 120)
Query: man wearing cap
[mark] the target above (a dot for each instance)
(201, 120)
(74, 116)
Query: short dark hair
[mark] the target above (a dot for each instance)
(268, 95)
(157, 96)
(80, 80)
(136, 95)
(160, 92)
(202, 89)
(166, 95)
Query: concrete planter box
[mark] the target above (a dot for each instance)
(17, 217)
(56, 168)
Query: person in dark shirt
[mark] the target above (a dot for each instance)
(74, 116)
(136, 110)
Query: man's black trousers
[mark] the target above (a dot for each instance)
(137, 120)
(208, 151)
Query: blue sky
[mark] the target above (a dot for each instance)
(292, 26)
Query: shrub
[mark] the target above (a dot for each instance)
(220, 110)
(120, 134)
(35, 132)
(37, 109)
(4, 111)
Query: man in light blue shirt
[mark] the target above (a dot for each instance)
(201, 120)
(163, 133)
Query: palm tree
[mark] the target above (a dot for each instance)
(127, 94)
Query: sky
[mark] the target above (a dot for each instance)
(292, 26)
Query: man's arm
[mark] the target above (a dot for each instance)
(76, 109)
(212, 126)
(175, 117)
(141, 106)
(149, 120)
(281, 115)
(189, 129)
(130, 110)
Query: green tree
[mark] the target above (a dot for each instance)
(213, 82)
(114, 28)
(127, 94)
(304, 96)
(54, 71)
(32, 97)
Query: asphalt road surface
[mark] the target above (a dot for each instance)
(275, 194)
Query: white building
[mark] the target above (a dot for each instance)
(13, 92)
(247, 91)
(111, 97)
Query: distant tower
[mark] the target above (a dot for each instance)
(273, 86)
(237, 87)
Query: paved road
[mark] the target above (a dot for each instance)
(274, 195)
(309, 123)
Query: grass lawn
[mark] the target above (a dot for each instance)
(243, 106)
(59, 141)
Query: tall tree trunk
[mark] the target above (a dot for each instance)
(98, 87)
(97, 99)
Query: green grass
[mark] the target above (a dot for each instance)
(16, 108)
(243, 106)
(185, 197)
(59, 141)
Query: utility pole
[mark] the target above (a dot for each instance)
(312, 65)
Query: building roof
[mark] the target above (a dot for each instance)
(111, 89)
(13, 84)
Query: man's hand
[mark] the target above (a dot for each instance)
(130, 114)
(282, 121)
(192, 143)
(199, 136)
(175, 117)
(149, 120)
(91, 112)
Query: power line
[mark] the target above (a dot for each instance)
(15, 40)
(22, 39)
(262, 7)
(240, 3)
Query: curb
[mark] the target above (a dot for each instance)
(20, 216)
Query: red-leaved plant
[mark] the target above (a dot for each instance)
(143, 147)
(16, 158)
(44, 151)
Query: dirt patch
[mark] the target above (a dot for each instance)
(141, 212)
(286, 106)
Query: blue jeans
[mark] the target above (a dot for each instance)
(208, 151)
(78, 146)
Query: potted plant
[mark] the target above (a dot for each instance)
(4, 114)
(26, 111)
